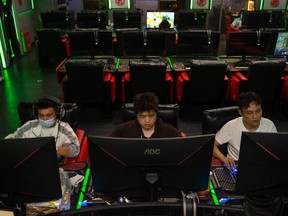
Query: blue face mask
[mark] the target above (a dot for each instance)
(47, 123)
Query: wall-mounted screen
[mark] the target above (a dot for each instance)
(274, 5)
(200, 5)
(154, 18)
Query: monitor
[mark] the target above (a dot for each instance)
(30, 171)
(149, 43)
(150, 168)
(274, 5)
(91, 43)
(57, 19)
(248, 43)
(154, 18)
(126, 19)
(281, 46)
(265, 174)
(191, 20)
(198, 43)
(92, 19)
(261, 19)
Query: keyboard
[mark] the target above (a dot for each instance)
(224, 179)
(178, 65)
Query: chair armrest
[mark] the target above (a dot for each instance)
(183, 77)
(67, 45)
(233, 90)
(169, 78)
(285, 88)
(124, 78)
(60, 75)
(240, 76)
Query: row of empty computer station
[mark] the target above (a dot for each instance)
(181, 66)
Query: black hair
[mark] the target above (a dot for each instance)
(145, 102)
(246, 98)
(45, 103)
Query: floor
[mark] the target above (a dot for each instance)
(26, 81)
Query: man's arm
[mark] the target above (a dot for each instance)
(228, 162)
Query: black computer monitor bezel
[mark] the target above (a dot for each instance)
(150, 168)
(91, 43)
(193, 43)
(58, 19)
(30, 171)
(92, 19)
(157, 43)
(261, 19)
(126, 19)
(249, 43)
(191, 20)
(265, 174)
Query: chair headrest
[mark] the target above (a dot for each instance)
(26, 113)
(167, 112)
(214, 119)
(147, 63)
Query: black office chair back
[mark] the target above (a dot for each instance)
(214, 119)
(148, 76)
(207, 82)
(167, 112)
(264, 78)
(86, 81)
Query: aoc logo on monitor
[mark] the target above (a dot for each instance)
(152, 152)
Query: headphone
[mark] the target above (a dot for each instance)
(209, 39)
(60, 110)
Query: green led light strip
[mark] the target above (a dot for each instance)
(261, 4)
(2, 49)
(117, 64)
(170, 63)
(23, 42)
(213, 194)
(83, 189)
(25, 12)
(32, 4)
(15, 23)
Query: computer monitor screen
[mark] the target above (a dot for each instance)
(57, 19)
(90, 43)
(30, 171)
(148, 43)
(261, 19)
(265, 174)
(191, 20)
(154, 18)
(248, 43)
(150, 168)
(126, 19)
(281, 46)
(198, 43)
(95, 19)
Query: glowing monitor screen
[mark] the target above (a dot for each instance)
(281, 47)
(154, 18)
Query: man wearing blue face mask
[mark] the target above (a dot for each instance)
(47, 123)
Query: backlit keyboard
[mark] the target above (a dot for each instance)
(224, 179)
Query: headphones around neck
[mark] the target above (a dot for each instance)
(60, 110)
